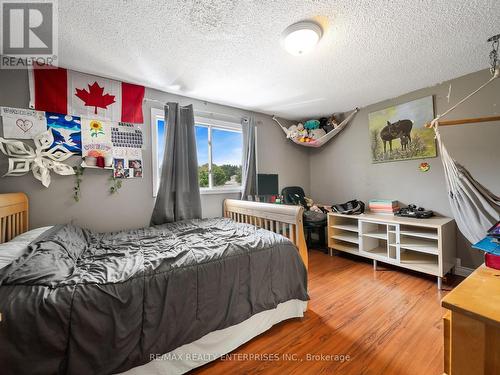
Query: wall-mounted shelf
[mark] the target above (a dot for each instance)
(95, 167)
(424, 245)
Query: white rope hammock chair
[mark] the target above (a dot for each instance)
(474, 207)
(324, 139)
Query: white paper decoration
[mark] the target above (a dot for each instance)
(22, 158)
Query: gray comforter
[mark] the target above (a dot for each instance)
(80, 302)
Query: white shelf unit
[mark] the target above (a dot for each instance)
(423, 245)
(344, 235)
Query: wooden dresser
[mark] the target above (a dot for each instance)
(472, 325)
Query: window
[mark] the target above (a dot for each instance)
(219, 151)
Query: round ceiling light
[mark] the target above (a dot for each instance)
(301, 37)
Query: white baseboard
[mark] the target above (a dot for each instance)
(462, 271)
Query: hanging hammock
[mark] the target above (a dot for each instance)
(474, 207)
(320, 141)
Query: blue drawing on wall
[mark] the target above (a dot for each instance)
(66, 130)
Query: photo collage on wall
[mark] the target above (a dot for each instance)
(117, 144)
(127, 142)
(81, 114)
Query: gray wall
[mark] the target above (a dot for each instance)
(132, 206)
(343, 170)
(337, 172)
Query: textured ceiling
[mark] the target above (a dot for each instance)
(228, 51)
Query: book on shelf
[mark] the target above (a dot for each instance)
(379, 206)
(382, 203)
(389, 211)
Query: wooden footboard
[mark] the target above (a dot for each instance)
(13, 215)
(282, 219)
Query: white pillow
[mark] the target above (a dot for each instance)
(30, 235)
(18, 246)
(10, 251)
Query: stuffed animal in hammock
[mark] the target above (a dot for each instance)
(292, 132)
(316, 133)
(302, 133)
(311, 124)
(332, 123)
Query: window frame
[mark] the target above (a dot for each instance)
(210, 123)
(156, 114)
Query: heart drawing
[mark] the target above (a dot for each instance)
(24, 125)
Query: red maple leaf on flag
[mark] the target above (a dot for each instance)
(95, 97)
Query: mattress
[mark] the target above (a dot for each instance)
(82, 302)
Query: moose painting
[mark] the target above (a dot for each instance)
(400, 129)
(398, 132)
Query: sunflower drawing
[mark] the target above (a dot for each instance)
(96, 128)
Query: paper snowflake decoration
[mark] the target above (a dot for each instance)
(42, 160)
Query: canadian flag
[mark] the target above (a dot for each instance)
(68, 92)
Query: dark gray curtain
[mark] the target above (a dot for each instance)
(249, 169)
(179, 194)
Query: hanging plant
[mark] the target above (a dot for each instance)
(78, 179)
(116, 185)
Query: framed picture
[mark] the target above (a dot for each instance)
(398, 132)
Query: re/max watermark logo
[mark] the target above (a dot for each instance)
(29, 33)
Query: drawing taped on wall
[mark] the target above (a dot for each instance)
(398, 132)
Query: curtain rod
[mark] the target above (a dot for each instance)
(198, 111)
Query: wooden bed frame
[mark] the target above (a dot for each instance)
(13, 215)
(282, 219)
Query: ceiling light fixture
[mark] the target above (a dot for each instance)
(301, 37)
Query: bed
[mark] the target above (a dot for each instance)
(163, 299)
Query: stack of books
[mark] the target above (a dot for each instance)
(383, 206)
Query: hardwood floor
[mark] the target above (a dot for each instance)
(387, 322)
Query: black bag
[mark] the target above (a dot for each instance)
(353, 207)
